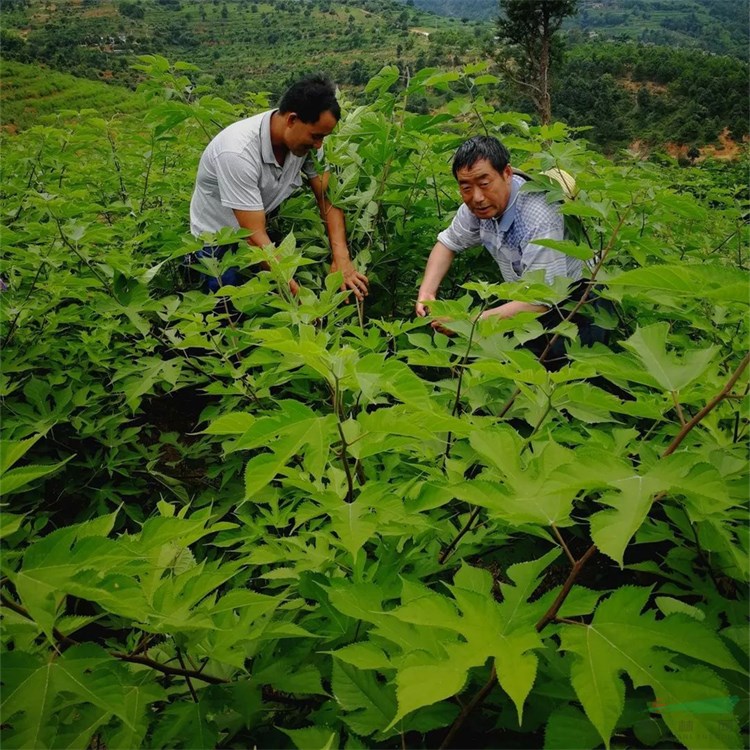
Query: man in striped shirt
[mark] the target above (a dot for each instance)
(496, 214)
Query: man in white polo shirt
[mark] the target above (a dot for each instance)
(252, 166)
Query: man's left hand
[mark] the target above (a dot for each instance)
(353, 280)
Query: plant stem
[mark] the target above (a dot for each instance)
(118, 167)
(133, 659)
(562, 544)
(187, 677)
(475, 702)
(551, 613)
(25, 299)
(343, 455)
(449, 549)
(170, 671)
(677, 406)
(148, 173)
(464, 360)
(461, 366)
(83, 259)
(709, 407)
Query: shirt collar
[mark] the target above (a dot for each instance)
(266, 147)
(509, 215)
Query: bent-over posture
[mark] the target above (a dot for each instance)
(252, 166)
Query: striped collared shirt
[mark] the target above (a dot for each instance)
(510, 237)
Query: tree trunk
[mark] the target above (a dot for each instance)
(545, 102)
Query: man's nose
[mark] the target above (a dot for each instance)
(477, 195)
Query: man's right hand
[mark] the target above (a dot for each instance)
(422, 308)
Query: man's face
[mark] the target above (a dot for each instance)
(303, 137)
(485, 190)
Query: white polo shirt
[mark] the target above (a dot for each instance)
(238, 170)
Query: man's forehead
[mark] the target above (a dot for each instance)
(325, 123)
(479, 168)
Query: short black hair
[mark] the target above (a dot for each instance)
(481, 147)
(309, 97)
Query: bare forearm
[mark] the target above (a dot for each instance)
(437, 266)
(335, 224)
(509, 309)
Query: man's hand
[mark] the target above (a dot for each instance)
(439, 325)
(422, 310)
(353, 280)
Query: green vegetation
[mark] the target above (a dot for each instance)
(623, 91)
(247, 46)
(322, 525)
(654, 94)
(717, 26)
(29, 92)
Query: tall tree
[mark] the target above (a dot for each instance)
(529, 26)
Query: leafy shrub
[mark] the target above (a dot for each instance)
(321, 525)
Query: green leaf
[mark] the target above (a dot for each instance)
(376, 376)
(649, 344)
(185, 725)
(670, 606)
(370, 706)
(312, 738)
(354, 524)
(698, 709)
(135, 712)
(15, 479)
(612, 530)
(539, 490)
(79, 732)
(569, 729)
(85, 670)
(10, 523)
(381, 82)
(525, 576)
(582, 252)
(708, 280)
(621, 639)
(29, 691)
(12, 450)
(516, 669)
(236, 423)
(423, 685)
(363, 655)
(303, 680)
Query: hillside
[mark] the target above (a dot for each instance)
(29, 92)
(624, 92)
(244, 45)
(717, 26)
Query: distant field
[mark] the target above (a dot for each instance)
(28, 93)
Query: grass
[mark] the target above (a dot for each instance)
(29, 94)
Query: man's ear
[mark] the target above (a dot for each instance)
(508, 172)
(291, 118)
